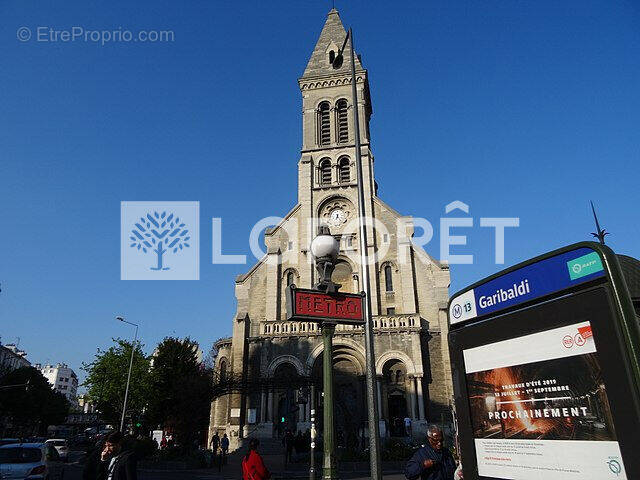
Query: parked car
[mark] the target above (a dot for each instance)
(62, 446)
(21, 461)
(6, 441)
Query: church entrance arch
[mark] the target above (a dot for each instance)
(395, 398)
(349, 395)
(286, 408)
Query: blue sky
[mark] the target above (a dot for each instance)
(519, 109)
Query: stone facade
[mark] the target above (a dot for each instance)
(409, 290)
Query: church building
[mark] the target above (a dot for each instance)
(268, 362)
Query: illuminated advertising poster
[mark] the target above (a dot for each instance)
(539, 408)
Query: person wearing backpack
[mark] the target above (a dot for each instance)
(253, 468)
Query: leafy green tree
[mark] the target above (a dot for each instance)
(182, 387)
(107, 380)
(31, 409)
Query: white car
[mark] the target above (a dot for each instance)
(30, 461)
(62, 446)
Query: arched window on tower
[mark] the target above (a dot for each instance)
(323, 121)
(388, 279)
(342, 123)
(290, 278)
(344, 170)
(325, 172)
(223, 371)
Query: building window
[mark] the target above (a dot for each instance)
(342, 123)
(385, 238)
(344, 170)
(290, 278)
(388, 280)
(290, 246)
(325, 172)
(324, 127)
(391, 310)
(223, 371)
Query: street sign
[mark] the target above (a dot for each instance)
(315, 306)
(543, 361)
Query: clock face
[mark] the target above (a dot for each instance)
(336, 213)
(337, 217)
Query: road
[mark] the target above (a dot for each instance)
(73, 471)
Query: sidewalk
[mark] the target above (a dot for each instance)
(296, 470)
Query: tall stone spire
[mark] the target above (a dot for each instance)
(331, 39)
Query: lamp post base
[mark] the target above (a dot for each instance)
(329, 470)
(329, 473)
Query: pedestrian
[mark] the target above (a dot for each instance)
(397, 425)
(298, 444)
(224, 446)
(288, 441)
(215, 445)
(431, 462)
(111, 461)
(407, 426)
(253, 467)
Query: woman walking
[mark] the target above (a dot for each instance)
(253, 467)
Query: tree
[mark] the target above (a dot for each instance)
(159, 233)
(182, 388)
(210, 358)
(31, 408)
(107, 380)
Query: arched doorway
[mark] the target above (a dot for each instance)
(394, 374)
(349, 398)
(285, 406)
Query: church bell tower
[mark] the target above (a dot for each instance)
(327, 170)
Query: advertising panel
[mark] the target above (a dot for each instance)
(539, 408)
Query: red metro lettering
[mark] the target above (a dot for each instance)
(326, 306)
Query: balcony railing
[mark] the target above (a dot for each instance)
(381, 323)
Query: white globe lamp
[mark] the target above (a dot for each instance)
(324, 245)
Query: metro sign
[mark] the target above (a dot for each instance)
(313, 305)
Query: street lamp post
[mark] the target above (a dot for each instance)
(324, 249)
(126, 392)
(372, 400)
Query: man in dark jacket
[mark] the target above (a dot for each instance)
(111, 462)
(288, 441)
(431, 462)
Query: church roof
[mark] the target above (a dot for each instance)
(331, 38)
